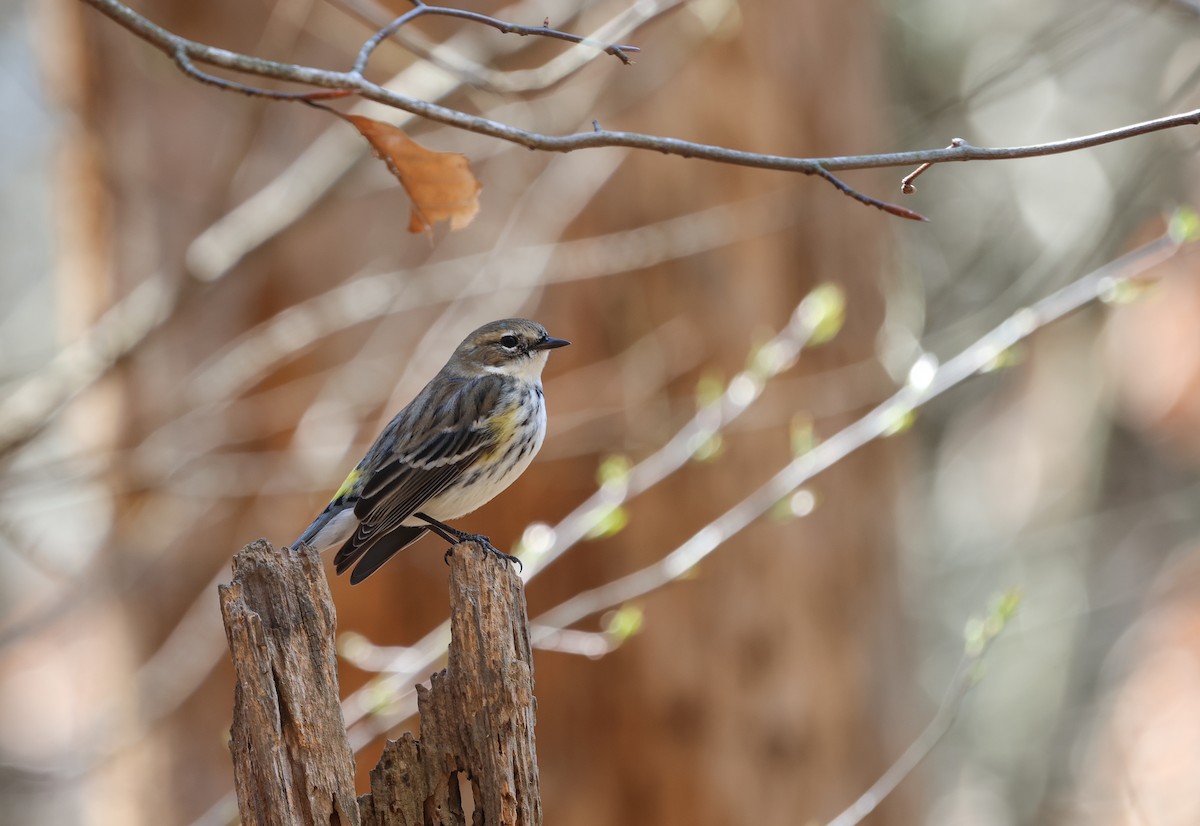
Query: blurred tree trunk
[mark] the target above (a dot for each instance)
(164, 154)
(761, 690)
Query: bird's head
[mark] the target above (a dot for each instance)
(513, 346)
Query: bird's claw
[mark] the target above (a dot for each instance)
(488, 549)
(506, 557)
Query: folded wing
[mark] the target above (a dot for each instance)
(422, 469)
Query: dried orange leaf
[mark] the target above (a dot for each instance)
(440, 184)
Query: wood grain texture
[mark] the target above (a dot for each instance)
(292, 760)
(477, 717)
(475, 762)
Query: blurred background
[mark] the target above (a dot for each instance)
(212, 304)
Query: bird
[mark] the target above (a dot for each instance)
(466, 437)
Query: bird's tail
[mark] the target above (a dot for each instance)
(332, 527)
(371, 555)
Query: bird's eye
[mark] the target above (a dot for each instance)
(508, 341)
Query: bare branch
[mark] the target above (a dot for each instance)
(360, 64)
(30, 407)
(471, 66)
(293, 191)
(185, 64)
(173, 45)
(965, 678)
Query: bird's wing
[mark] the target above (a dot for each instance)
(404, 485)
(422, 466)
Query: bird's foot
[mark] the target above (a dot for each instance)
(494, 551)
(486, 545)
(456, 537)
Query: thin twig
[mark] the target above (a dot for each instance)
(906, 183)
(360, 64)
(917, 750)
(364, 54)
(185, 64)
(169, 43)
(476, 68)
(892, 209)
(30, 407)
(965, 678)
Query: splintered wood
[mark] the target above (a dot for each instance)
(475, 762)
(292, 762)
(477, 717)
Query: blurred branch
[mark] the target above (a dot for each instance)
(246, 359)
(880, 421)
(980, 636)
(363, 654)
(25, 411)
(820, 309)
(353, 82)
(182, 661)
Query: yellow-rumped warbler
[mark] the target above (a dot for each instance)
(467, 436)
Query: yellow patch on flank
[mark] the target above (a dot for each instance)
(348, 485)
(502, 426)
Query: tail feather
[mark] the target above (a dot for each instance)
(330, 528)
(373, 554)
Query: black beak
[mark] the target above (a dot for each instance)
(549, 343)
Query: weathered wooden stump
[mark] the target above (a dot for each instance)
(475, 762)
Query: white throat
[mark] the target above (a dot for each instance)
(527, 369)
